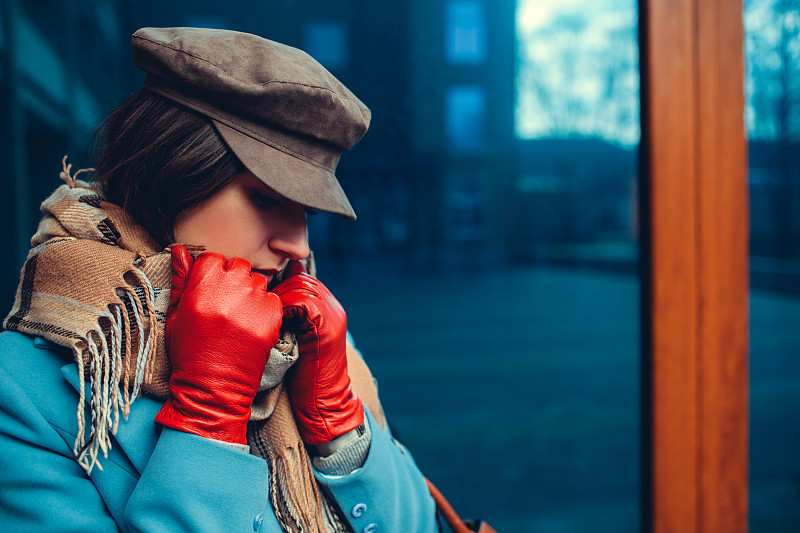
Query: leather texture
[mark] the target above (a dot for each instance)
(324, 405)
(221, 326)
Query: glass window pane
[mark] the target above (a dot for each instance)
(465, 111)
(491, 277)
(504, 332)
(772, 114)
(465, 32)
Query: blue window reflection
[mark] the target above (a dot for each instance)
(465, 31)
(772, 114)
(465, 118)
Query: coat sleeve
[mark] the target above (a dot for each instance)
(188, 484)
(388, 493)
(195, 484)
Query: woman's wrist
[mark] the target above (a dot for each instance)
(348, 452)
(341, 442)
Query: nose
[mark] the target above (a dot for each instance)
(291, 238)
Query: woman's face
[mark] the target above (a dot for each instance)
(247, 219)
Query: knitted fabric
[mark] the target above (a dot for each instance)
(97, 283)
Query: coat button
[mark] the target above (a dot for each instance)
(257, 521)
(372, 528)
(358, 510)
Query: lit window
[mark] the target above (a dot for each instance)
(465, 32)
(465, 118)
(326, 41)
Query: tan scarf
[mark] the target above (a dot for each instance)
(96, 282)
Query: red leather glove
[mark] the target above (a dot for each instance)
(221, 325)
(324, 405)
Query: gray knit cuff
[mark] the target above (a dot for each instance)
(348, 459)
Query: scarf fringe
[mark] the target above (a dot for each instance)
(109, 364)
(297, 502)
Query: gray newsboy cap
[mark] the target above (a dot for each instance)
(285, 117)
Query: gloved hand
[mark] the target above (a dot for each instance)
(221, 325)
(324, 405)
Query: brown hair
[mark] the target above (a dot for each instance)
(159, 159)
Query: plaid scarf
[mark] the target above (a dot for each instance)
(98, 283)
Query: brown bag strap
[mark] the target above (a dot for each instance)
(451, 517)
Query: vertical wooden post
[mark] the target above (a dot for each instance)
(694, 267)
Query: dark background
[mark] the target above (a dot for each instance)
(490, 281)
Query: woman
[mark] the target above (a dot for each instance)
(169, 301)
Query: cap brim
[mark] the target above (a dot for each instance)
(297, 180)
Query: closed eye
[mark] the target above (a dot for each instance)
(265, 202)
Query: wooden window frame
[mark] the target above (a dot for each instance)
(694, 267)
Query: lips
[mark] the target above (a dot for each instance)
(268, 277)
(268, 274)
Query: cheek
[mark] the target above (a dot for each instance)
(230, 238)
(228, 228)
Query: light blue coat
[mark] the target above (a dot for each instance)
(158, 479)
